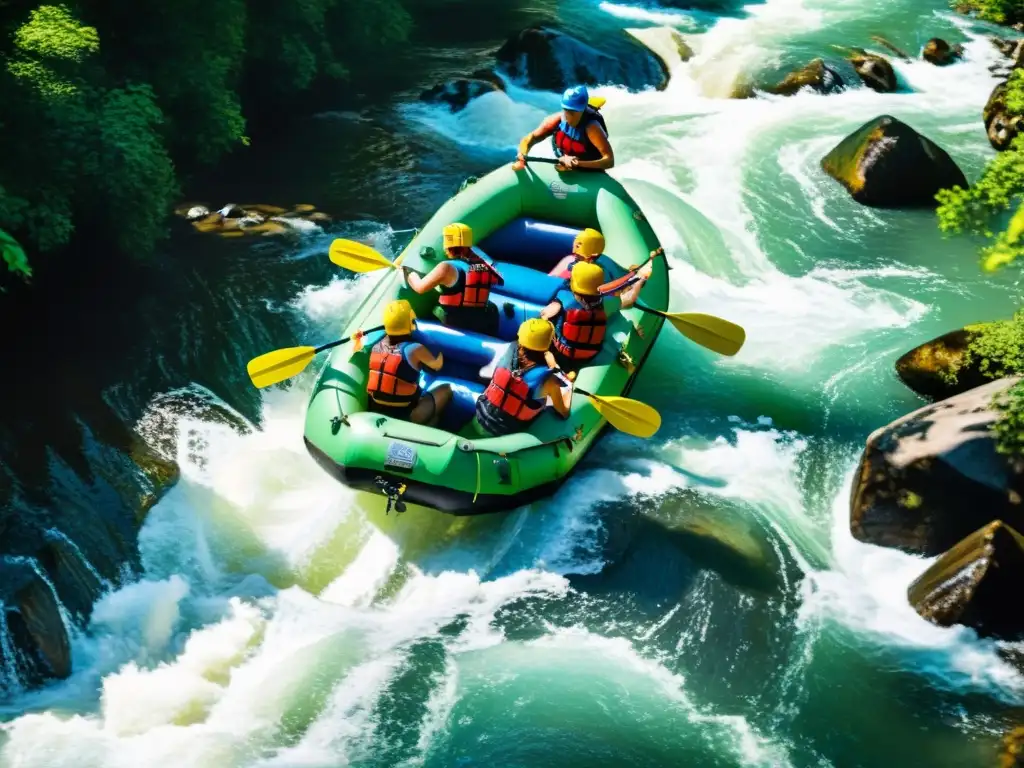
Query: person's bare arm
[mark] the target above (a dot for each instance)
(443, 273)
(599, 139)
(424, 357)
(541, 132)
(550, 312)
(629, 296)
(560, 398)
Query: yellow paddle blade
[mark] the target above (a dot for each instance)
(274, 367)
(357, 257)
(626, 415)
(709, 331)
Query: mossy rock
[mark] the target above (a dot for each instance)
(937, 368)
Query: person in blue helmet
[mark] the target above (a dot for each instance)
(578, 133)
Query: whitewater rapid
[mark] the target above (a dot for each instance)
(284, 620)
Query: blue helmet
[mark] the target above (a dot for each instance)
(576, 98)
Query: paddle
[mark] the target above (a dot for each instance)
(356, 257)
(709, 331)
(626, 415)
(274, 367)
(628, 279)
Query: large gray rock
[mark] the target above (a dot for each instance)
(874, 71)
(887, 164)
(933, 477)
(553, 60)
(976, 584)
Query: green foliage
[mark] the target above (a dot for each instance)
(981, 209)
(997, 11)
(13, 255)
(103, 100)
(997, 349)
(1009, 428)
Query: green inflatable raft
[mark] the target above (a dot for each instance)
(526, 222)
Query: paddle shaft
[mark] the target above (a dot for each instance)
(339, 342)
(548, 160)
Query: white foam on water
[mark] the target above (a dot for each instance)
(661, 16)
(866, 591)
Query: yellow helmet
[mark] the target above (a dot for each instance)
(536, 334)
(586, 278)
(589, 244)
(457, 235)
(398, 318)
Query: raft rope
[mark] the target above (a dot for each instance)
(477, 492)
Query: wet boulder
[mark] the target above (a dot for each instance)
(874, 71)
(976, 584)
(816, 75)
(887, 164)
(667, 45)
(1001, 126)
(940, 53)
(552, 60)
(942, 367)
(933, 477)
(458, 92)
(36, 646)
(77, 583)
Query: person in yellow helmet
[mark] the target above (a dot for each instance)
(465, 282)
(522, 383)
(588, 246)
(580, 315)
(393, 381)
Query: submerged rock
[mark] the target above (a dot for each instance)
(1001, 126)
(940, 53)
(552, 60)
(976, 583)
(251, 219)
(937, 369)
(816, 75)
(458, 92)
(931, 478)
(1012, 755)
(36, 647)
(886, 163)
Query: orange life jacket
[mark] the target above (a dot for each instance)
(511, 399)
(580, 330)
(392, 380)
(473, 287)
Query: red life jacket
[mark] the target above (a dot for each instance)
(573, 140)
(473, 287)
(392, 379)
(508, 404)
(581, 330)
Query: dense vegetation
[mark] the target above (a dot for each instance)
(978, 210)
(997, 11)
(106, 104)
